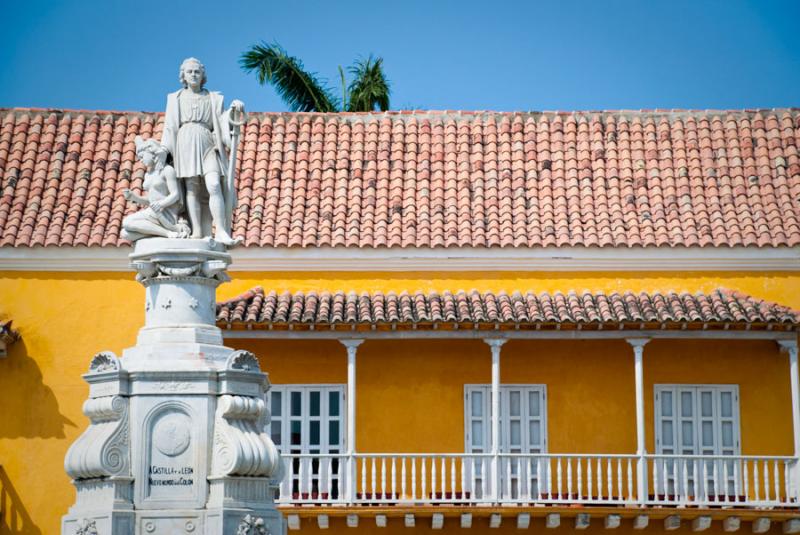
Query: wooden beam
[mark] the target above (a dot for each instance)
(582, 520)
(672, 522)
(409, 520)
(322, 521)
(701, 523)
(352, 521)
(791, 525)
(612, 521)
(380, 521)
(761, 525)
(552, 520)
(293, 522)
(472, 334)
(495, 520)
(466, 520)
(640, 521)
(731, 524)
(437, 521)
(523, 520)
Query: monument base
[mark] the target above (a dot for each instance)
(176, 442)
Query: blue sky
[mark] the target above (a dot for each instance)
(489, 55)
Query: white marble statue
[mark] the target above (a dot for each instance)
(176, 441)
(199, 134)
(163, 204)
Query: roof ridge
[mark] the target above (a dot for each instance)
(718, 306)
(441, 113)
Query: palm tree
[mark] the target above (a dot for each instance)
(304, 91)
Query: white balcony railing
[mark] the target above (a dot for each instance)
(723, 480)
(482, 479)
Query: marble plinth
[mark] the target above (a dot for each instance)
(176, 442)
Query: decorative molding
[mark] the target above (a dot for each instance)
(103, 450)
(105, 361)
(637, 343)
(439, 259)
(241, 448)
(86, 527)
(207, 272)
(242, 360)
(252, 526)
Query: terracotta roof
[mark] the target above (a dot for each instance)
(432, 179)
(256, 308)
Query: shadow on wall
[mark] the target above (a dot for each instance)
(13, 516)
(23, 393)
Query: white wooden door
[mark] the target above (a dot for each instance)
(697, 420)
(523, 430)
(308, 421)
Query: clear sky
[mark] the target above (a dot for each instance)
(476, 55)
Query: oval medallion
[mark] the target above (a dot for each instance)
(172, 434)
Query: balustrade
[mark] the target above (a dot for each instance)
(467, 479)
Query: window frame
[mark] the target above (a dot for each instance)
(691, 473)
(505, 417)
(285, 418)
(697, 418)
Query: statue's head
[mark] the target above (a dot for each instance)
(152, 153)
(192, 69)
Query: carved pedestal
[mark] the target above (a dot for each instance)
(176, 442)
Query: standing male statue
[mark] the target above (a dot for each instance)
(176, 440)
(198, 134)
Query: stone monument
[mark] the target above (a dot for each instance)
(176, 442)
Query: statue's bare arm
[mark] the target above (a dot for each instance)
(134, 198)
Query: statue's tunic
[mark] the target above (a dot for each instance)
(194, 151)
(196, 133)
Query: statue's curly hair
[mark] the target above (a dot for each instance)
(153, 146)
(202, 67)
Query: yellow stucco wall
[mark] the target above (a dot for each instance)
(410, 394)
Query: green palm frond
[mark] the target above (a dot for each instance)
(369, 89)
(299, 89)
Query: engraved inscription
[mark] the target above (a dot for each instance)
(171, 471)
(170, 476)
(172, 387)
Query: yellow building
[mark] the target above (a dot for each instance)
(469, 320)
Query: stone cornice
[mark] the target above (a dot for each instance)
(573, 259)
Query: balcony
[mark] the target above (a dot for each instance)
(485, 480)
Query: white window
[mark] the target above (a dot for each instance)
(700, 420)
(308, 420)
(523, 429)
(523, 423)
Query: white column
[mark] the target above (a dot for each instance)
(350, 424)
(790, 346)
(495, 344)
(641, 464)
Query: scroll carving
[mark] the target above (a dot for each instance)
(241, 448)
(103, 450)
